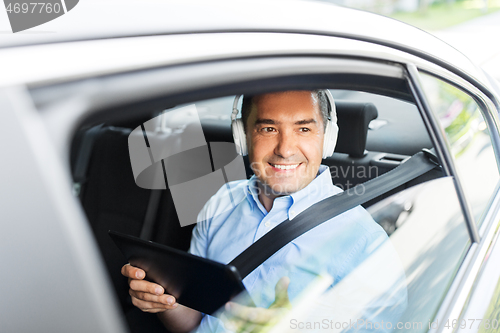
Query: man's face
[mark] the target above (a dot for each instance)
(285, 140)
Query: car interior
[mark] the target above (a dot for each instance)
(378, 130)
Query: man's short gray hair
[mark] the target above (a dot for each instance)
(322, 99)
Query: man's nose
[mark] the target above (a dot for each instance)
(286, 145)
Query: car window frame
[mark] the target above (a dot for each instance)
(484, 103)
(490, 114)
(98, 107)
(463, 285)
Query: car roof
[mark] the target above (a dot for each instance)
(103, 19)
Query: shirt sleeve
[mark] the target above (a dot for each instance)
(199, 238)
(212, 212)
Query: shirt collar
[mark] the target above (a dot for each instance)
(252, 193)
(318, 189)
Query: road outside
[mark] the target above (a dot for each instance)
(477, 39)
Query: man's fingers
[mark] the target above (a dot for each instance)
(282, 285)
(281, 292)
(147, 296)
(146, 286)
(164, 300)
(235, 324)
(133, 272)
(151, 306)
(251, 314)
(241, 326)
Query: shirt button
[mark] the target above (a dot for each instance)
(267, 224)
(292, 213)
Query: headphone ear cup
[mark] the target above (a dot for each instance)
(239, 137)
(330, 140)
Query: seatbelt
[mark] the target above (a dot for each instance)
(82, 161)
(330, 207)
(151, 213)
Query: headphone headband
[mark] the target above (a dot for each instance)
(234, 114)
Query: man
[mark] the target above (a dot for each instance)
(284, 135)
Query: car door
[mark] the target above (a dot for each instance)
(47, 251)
(470, 123)
(127, 98)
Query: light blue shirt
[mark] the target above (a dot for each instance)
(234, 218)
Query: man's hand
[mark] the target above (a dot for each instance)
(240, 318)
(147, 296)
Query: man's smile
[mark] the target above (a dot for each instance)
(284, 167)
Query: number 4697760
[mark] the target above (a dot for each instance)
(33, 7)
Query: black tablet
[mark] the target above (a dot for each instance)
(201, 284)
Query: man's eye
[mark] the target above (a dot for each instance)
(305, 129)
(268, 129)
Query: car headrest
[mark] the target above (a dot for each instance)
(353, 120)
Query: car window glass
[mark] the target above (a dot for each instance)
(469, 140)
(425, 246)
(401, 283)
(398, 129)
(390, 261)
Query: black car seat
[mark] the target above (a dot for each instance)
(112, 200)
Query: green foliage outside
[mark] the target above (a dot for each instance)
(444, 14)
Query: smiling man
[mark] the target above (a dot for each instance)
(285, 136)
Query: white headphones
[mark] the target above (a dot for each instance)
(331, 129)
